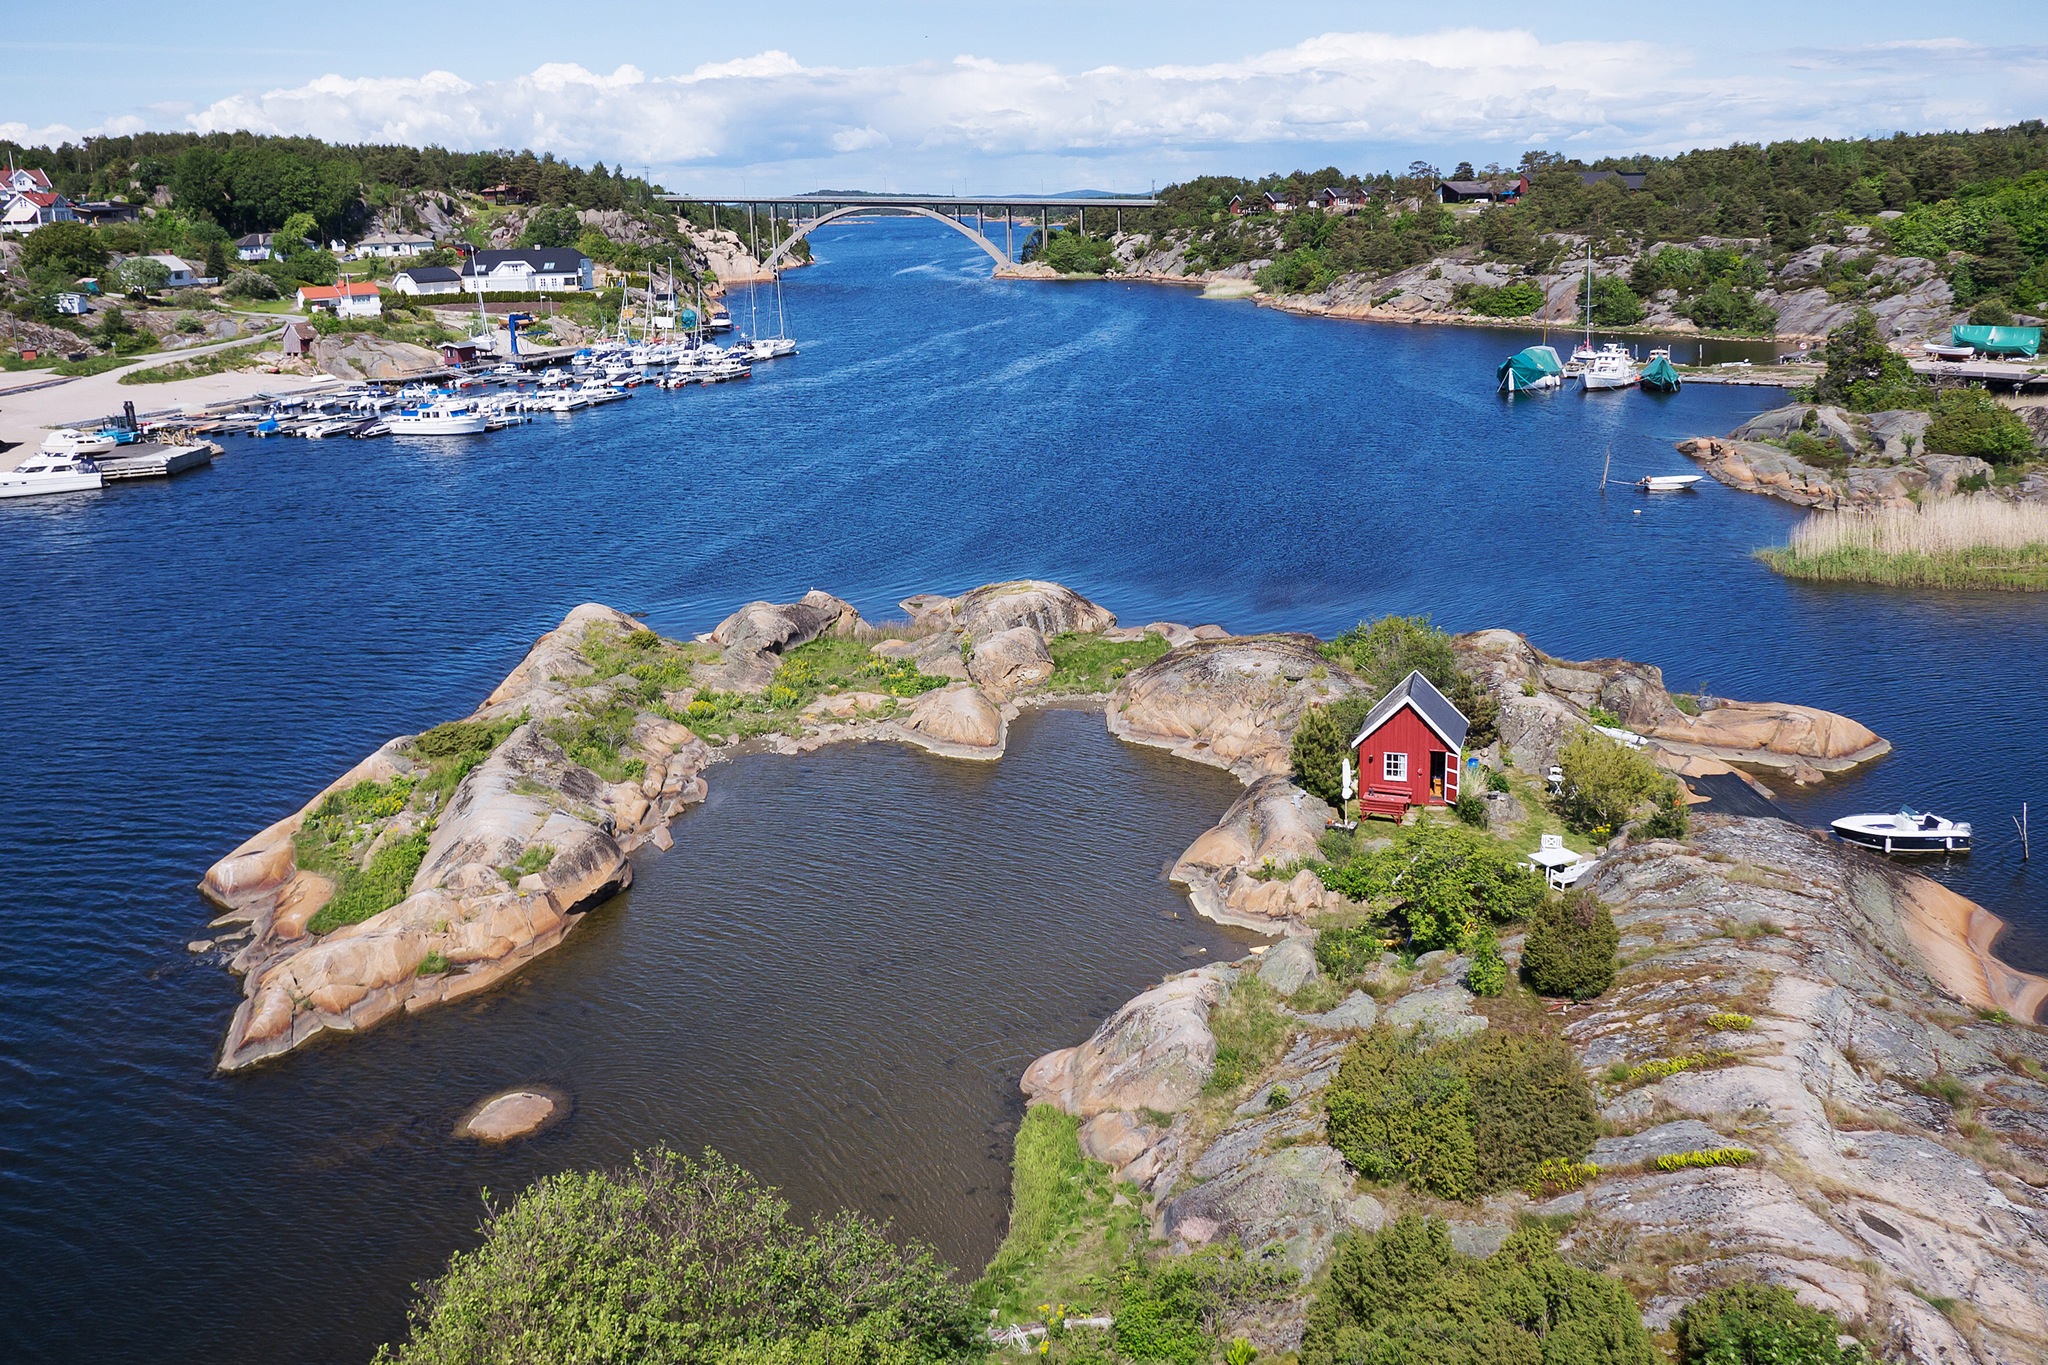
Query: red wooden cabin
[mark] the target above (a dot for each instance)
(1408, 751)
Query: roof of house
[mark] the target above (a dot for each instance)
(428, 274)
(254, 239)
(1467, 187)
(1630, 179)
(1433, 706)
(394, 238)
(39, 179)
(304, 331)
(548, 261)
(172, 263)
(355, 289)
(41, 199)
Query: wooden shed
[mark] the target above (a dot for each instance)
(1408, 750)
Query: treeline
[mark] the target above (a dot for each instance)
(250, 183)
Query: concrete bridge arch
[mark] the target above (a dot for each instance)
(805, 226)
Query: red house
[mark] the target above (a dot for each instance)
(1408, 751)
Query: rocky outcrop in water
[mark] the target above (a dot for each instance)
(1232, 703)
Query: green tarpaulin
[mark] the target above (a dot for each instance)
(1659, 374)
(1536, 368)
(1998, 340)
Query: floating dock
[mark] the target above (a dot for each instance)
(150, 460)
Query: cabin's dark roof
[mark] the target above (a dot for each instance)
(254, 239)
(1629, 179)
(555, 261)
(430, 274)
(1433, 706)
(1468, 187)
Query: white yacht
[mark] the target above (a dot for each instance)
(439, 418)
(67, 441)
(1611, 367)
(50, 472)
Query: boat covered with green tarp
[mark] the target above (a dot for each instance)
(2024, 341)
(1536, 368)
(1660, 374)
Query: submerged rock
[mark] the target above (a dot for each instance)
(513, 1114)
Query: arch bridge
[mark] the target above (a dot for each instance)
(809, 212)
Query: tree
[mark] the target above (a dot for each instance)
(1385, 651)
(141, 275)
(552, 227)
(1570, 948)
(69, 250)
(1072, 253)
(675, 1259)
(1614, 303)
(1865, 375)
(301, 232)
(1972, 422)
(1758, 1324)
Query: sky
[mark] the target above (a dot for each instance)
(770, 97)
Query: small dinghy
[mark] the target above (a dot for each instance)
(1907, 831)
(1667, 483)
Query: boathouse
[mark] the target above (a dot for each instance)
(1408, 750)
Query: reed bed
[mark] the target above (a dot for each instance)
(1974, 542)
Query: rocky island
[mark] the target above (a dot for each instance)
(1810, 1069)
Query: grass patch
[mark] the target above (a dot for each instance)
(1556, 1175)
(1067, 1233)
(362, 892)
(452, 749)
(830, 664)
(1091, 663)
(1719, 1156)
(433, 964)
(653, 663)
(1670, 1066)
(536, 857)
(596, 737)
(215, 362)
(1250, 1033)
(1727, 1021)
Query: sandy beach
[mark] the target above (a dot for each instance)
(26, 417)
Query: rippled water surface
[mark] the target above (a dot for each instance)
(840, 970)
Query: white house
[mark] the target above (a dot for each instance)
(386, 244)
(29, 210)
(352, 299)
(427, 279)
(531, 271)
(254, 247)
(183, 273)
(73, 304)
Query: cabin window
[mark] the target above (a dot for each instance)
(1394, 767)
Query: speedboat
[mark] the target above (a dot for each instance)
(50, 473)
(1907, 831)
(68, 441)
(440, 418)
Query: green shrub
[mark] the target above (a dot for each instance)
(1384, 651)
(1991, 312)
(1758, 1324)
(1321, 741)
(1570, 947)
(1517, 299)
(675, 1259)
(1444, 881)
(1727, 1021)
(1718, 1156)
(1864, 374)
(1346, 951)
(1614, 303)
(1072, 253)
(1972, 422)
(433, 964)
(1404, 1296)
(595, 735)
(1166, 1311)
(1458, 1119)
(1672, 819)
(453, 749)
(1488, 974)
(1496, 780)
(1091, 663)
(1670, 1066)
(1604, 781)
(1400, 1111)
(1470, 807)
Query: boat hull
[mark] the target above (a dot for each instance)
(1903, 845)
(470, 425)
(36, 485)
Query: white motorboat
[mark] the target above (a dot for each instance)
(768, 348)
(50, 472)
(1906, 832)
(441, 418)
(1667, 483)
(67, 441)
(1611, 367)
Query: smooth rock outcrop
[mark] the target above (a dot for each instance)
(1154, 1053)
(1288, 965)
(958, 721)
(1233, 703)
(1272, 824)
(513, 1114)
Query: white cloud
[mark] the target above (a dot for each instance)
(1479, 92)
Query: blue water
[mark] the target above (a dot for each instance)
(187, 661)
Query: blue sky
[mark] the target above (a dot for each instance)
(1018, 98)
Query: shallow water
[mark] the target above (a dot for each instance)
(189, 661)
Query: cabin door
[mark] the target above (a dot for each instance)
(1437, 768)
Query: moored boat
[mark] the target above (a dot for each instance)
(66, 441)
(1535, 368)
(1667, 483)
(438, 419)
(1906, 831)
(1611, 367)
(50, 472)
(1660, 375)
